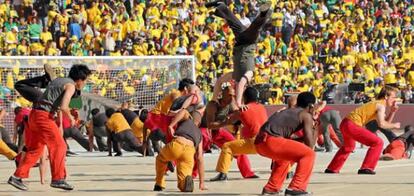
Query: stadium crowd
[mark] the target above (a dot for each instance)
(309, 45)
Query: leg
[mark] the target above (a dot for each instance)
(388, 134)
(74, 133)
(241, 85)
(217, 87)
(284, 151)
(185, 166)
(251, 34)
(236, 26)
(6, 151)
(325, 122)
(129, 138)
(171, 152)
(29, 88)
(335, 122)
(375, 144)
(229, 149)
(222, 136)
(349, 145)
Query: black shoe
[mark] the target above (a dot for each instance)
(318, 149)
(252, 177)
(18, 183)
(366, 171)
(296, 192)
(268, 192)
(70, 153)
(290, 175)
(219, 177)
(328, 171)
(61, 184)
(158, 188)
(170, 167)
(118, 154)
(188, 184)
(214, 3)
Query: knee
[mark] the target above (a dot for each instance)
(378, 143)
(347, 148)
(226, 148)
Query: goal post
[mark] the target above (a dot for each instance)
(141, 80)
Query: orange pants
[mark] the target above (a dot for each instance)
(283, 152)
(395, 150)
(43, 131)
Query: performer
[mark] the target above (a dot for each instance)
(45, 131)
(252, 120)
(157, 120)
(215, 120)
(120, 131)
(401, 146)
(352, 128)
(330, 117)
(183, 148)
(273, 141)
(96, 128)
(245, 46)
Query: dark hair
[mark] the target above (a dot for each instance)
(109, 112)
(79, 72)
(95, 111)
(143, 114)
(17, 110)
(386, 91)
(186, 82)
(305, 99)
(250, 95)
(408, 128)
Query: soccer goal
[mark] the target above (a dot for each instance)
(140, 80)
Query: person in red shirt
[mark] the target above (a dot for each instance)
(252, 120)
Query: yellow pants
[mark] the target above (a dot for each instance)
(229, 149)
(6, 151)
(184, 157)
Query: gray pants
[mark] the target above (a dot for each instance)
(130, 140)
(373, 127)
(99, 133)
(74, 133)
(5, 136)
(330, 117)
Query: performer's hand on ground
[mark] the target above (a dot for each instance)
(203, 187)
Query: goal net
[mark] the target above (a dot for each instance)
(141, 81)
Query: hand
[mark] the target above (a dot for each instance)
(397, 125)
(243, 107)
(72, 122)
(394, 107)
(171, 131)
(202, 187)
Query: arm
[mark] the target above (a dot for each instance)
(393, 110)
(2, 114)
(69, 92)
(309, 132)
(182, 115)
(200, 160)
(382, 122)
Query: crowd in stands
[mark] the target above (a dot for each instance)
(309, 45)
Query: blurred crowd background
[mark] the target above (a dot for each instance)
(323, 46)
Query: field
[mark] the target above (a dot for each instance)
(95, 173)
